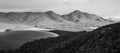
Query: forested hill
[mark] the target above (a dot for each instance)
(102, 40)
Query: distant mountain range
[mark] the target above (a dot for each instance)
(74, 21)
(115, 19)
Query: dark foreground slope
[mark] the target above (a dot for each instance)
(102, 40)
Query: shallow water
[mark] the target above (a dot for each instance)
(14, 39)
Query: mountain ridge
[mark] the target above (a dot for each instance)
(53, 20)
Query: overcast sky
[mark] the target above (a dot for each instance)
(104, 8)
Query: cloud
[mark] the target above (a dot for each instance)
(99, 7)
(27, 3)
(38, 3)
(69, 2)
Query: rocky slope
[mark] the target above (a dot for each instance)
(74, 21)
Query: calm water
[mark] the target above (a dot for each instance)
(14, 39)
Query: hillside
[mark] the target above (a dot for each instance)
(74, 21)
(102, 40)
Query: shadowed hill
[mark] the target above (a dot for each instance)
(102, 40)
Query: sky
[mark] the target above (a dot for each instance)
(104, 8)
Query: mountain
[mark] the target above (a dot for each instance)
(105, 39)
(78, 15)
(74, 21)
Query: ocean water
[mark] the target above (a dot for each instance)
(14, 39)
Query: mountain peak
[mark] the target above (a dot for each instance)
(76, 12)
(51, 12)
